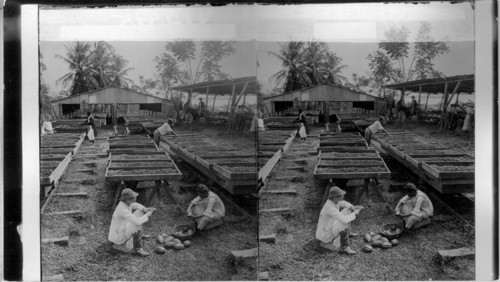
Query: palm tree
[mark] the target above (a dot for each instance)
(314, 59)
(117, 72)
(293, 76)
(331, 69)
(81, 76)
(100, 60)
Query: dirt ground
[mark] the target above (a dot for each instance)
(296, 255)
(89, 255)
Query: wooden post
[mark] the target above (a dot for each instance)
(426, 102)
(114, 113)
(230, 98)
(206, 106)
(213, 104)
(443, 112)
(239, 98)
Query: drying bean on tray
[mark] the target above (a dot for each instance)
(351, 162)
(249, 169)
(49, 163)
(454, 167)
(431, 152)
(112, 172)
(220, 153)
(348, 155)
(325, 170)
(139, 157)
(137, 164)
(46, 156)
(231, 160)
(446, 159)
(46, 172)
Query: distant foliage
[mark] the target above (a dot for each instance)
(397, 60)
(93, 66)
(179, 63)
(306, 64)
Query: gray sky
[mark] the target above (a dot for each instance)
(351, 30)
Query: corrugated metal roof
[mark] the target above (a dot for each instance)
(314, 86)
(93, 91)
(436, 85)
(222, 87)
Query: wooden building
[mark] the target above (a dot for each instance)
(114, 101)
(326, 99)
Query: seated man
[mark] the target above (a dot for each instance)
(126, 225)
(163, 130)
(415, 207)
(207, 208)
(334, 223)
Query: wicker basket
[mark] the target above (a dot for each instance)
(388, 230)
(188, 228)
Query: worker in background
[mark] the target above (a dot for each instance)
(333, 124)
(207, 208)
(90, 121)
(334, 222)
(413, 107)
(257, 122)
(126, 224)
(47, 126)
(374, 128)
(201, 107)
(303, 119)
(165, 129)
(126, 132)
(414, 207)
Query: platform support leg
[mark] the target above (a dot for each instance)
(118, 193)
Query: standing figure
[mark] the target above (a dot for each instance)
(334, 222)
(468, 119)
(201, 108)
(90, 134)
(163, 130)
(374, 128)
(415, 206)
(126, 224)
(257, 123)
(127, 131)
(302, 132)
(303, 119)
(207, 208)
(414, 106)
(47, 126)
(90, 121)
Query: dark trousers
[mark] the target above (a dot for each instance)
(344, 237)
(137, 237)
(368, 136)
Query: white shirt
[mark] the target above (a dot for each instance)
(419, 203)
(376, 127)
(214, 207)
(122, 217)
(331, 221)
(47, 125)
(260, 123)
(164, 129)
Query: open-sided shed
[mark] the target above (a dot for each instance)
(112, 100)
(457, 84)
(237, 88)
(330, 99)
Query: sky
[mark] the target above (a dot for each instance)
(351, 30)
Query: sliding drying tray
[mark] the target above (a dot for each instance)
(131, 144)
(233, 169)
(56, 152)
(141, 166)
(448, 170)
(271, 146)
(346, 156)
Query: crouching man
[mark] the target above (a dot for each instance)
(334, 222)
(207, 208)
(415, 207)
(126, 226)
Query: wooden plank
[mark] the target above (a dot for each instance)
(271, 238)
(264, 276)
(72, 212)
(460, 252)
(245, 254)
(75, 194)
(292, 191)
(63, 241)
(428, 167)
(276, 210)
(266, 170)
(57, 277)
